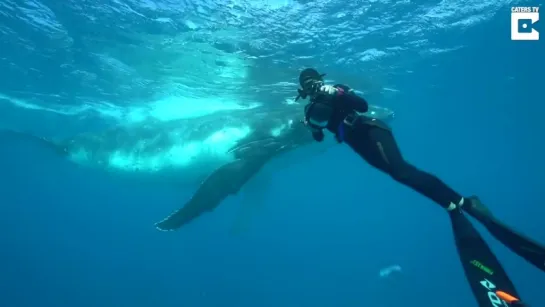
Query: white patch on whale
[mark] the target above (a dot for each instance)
(179, 155)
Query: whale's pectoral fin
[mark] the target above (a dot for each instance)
(249, 149)
(41, 141)
(178, 218)
(224, 181)
(252, 200)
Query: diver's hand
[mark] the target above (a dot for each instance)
(328, 90)
(317, 134)
(309, 126)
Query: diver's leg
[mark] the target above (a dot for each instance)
(487, 278)
(483, 271)
(379, 148)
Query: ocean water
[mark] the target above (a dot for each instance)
(468, 100)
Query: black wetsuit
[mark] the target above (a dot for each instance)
(374, 142)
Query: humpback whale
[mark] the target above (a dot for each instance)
(182, 151)
(250, 156)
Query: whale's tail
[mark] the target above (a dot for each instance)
(13, 135)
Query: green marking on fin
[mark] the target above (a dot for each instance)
(482, 267)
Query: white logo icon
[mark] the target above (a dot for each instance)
(523, 21)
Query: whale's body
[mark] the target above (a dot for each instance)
(184, 150)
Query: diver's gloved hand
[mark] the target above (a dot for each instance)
(308, 125)
(327, 90)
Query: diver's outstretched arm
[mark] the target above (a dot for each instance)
(487, 278)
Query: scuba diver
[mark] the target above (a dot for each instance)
(338, 109)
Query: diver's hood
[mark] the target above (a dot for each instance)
(308, 75)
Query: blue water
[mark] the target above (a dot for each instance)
(78, 237)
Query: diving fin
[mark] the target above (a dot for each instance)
(520, 244)
(490, 284)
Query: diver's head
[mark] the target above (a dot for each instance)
(310, 81)
(309, 77)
